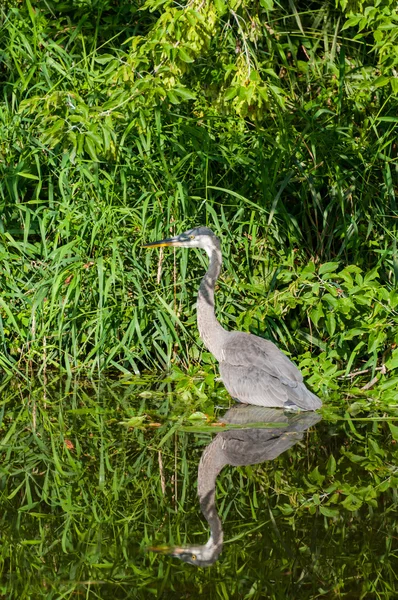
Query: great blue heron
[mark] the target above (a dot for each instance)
(253, 369)
(238, 447)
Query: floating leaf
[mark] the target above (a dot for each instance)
(197, 416)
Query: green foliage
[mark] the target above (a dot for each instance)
(342, 313)
(376, 25)
(121, 122)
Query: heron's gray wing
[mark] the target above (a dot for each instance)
(246, 350)
(255, 371)
(253, 386)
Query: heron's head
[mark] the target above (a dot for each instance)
(200, 556)
(199, 237)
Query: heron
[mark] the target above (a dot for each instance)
(238, 447)
(253, 369)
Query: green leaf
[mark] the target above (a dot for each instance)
(352, 502)
(328, 512)
(394, 84)
(388, 119)
(316, 477)
(172, 97)
(183, 54)
(374, 447)
(28, 176)
(316, 313)
(328, 267)
(133, 421)
(89, 146)
(352, 22)
(394, 430)
(308, 270)
(103, 59)
(231, 93)
(267, 4)
(221, 7)
(184, 93)
(330, 323)
(197, 416)
(285, 509)
(384, 486)
(331, 465)
(381, 81)
(331, 300)
(392, 362)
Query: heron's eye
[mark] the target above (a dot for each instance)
(193, 556)
(192, 237)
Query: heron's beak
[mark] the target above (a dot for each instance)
(175, 551)
(167, 242)
(162, 549)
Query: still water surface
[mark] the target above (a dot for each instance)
(94, 476)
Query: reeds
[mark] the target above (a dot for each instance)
(93, 164)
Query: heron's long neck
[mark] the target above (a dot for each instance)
(210, 329)
(211, 463)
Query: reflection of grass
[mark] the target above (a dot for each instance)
(82, 497)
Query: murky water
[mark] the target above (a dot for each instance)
(92, 476)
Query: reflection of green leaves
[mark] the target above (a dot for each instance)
(120, 485)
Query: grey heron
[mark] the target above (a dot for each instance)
(253, 369)
(238, 447)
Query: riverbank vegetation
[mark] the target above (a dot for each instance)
(272, 123)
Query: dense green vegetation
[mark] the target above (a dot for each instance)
(88, 482)
(272, 122)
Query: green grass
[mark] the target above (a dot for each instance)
(275, 131)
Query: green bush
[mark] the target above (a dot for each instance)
(272, 123)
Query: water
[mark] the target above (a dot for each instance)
(93, 475)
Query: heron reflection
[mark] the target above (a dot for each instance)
(238, 447)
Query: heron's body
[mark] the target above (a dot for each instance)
(253, 369)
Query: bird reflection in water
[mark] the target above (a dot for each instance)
(238, 447)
